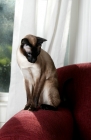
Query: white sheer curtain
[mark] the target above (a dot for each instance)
(53, 20)
(80, 32)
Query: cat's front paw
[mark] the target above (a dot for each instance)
(26, 107)
(47, 107)
(30, 108)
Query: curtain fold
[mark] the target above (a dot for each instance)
(80, 32)
(56, 29)
(46, 18)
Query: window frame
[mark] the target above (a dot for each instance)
(4, 97)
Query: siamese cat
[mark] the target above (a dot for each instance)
(39, 74)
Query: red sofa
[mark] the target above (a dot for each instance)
(72, 120)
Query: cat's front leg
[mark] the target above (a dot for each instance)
(29, 93)
(30, 105)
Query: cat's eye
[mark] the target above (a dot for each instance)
(29, 54)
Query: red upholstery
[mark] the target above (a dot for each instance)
(40, 125)
(70, 122)
(75, 83)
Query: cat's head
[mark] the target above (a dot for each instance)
(31, 47)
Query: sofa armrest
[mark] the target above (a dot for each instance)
(42, 124)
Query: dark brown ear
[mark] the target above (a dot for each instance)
(40, 40)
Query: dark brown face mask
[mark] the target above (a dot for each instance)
(31, 49)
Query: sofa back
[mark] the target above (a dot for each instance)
(75, 90)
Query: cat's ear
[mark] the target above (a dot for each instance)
(40, 40)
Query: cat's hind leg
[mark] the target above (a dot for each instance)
(50, 97)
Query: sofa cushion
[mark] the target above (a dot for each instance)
(39, 125)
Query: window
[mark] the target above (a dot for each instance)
(6, 34)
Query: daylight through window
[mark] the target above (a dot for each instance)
(6, 33)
